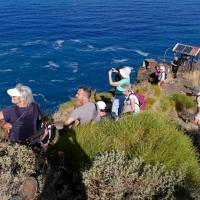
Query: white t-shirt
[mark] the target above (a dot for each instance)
(127, 106)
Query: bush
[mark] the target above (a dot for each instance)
(16, 164)
(146, 135)
(183, 102)
(113, 176)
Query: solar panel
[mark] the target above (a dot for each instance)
(187, 50)
(180, 47)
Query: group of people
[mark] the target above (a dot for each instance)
(20, 121)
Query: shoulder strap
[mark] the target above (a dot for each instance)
(132, 93)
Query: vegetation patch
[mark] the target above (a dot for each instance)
(146, 135)
(183, 102)
(114, 176)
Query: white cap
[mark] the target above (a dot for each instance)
(14, 92)
(101, 105)
(125, 72)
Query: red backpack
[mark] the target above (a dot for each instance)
(141, 99)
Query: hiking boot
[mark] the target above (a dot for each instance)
(29, 188)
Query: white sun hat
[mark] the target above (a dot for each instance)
(14, 92)
(101, 105)
(125, 72)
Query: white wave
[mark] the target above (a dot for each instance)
(52, 65)
(4, 54)
(112, 49)
(31, 81)
(36, 42)
(5, 70)
(59, 81)
(76, 40)
(105, 49)
(90, 46)
(115, 60)
(75, 70)
(142, 53)
(2, 83)
(13, 49)
(74, 66)
(44, 98)
(70, 79)
(58, 44)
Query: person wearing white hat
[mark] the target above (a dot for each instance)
(119, 97)
(102, 111)
(20, 120)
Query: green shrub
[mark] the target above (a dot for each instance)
(183, 101)
(156, 90)
(150, 101)
(146, 135)
(166, 104)
(113, 176)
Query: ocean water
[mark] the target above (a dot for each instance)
(56, 46)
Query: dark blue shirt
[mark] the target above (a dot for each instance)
(23, 120)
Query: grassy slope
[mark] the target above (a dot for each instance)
(149, 135)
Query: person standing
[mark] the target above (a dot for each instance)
(175, 66)
(121, 86)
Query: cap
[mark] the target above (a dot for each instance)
(14, 92)
(101, 105)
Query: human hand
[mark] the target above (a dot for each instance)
(7, 126)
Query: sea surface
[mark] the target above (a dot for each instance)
(56, 46)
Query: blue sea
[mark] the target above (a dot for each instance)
(56, 46)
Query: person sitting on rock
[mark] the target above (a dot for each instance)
(153, 77)
(119, 97)
(162, 75)
(86, 111)
(20, 120)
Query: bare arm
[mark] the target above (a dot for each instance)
(69, 121)
(1, 116)
(3, 124)
(132, 104)
(110, 78)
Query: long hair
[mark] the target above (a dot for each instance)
(26, 93)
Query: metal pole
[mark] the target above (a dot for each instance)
(165, 54)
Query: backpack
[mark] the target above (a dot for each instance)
(142, 100)
(47, 133)
(44, 136)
